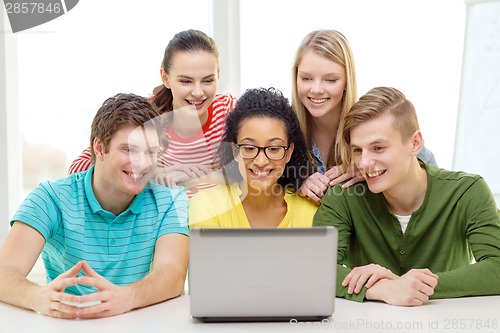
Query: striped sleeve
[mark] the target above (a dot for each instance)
(39, 211)
(81, 163)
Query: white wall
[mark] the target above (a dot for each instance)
(69, 66)
(58, 74)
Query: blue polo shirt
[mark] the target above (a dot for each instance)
(75, 227)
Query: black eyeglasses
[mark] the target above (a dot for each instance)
(274, 153)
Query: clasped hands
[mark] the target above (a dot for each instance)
(109, 300)
(410, 289)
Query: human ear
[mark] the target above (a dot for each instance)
(416, 142)
(164, 78)
(289, 152)
(98, 149)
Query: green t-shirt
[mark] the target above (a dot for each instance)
(457, 221)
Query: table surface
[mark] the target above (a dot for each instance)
(470, 314)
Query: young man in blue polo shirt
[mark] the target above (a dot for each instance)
(111, 239)
(409, 232)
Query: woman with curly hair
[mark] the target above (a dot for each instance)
(265, 161)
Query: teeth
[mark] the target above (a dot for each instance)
(195, 102)
(375, 173)
(261, 173)
(135, 176)
(318, 100)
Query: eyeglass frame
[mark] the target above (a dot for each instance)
(259, 149)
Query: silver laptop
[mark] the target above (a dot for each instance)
(262, 274)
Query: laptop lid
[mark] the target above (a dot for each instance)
(262, 274)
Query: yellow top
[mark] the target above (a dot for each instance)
(221, 207)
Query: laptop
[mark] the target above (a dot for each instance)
(262, 274)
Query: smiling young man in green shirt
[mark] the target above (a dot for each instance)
(410, 232)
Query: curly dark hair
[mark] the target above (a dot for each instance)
(266, 103)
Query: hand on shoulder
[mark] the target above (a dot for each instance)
(339, 174)
(315, 187)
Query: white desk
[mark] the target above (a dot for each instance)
(474, 314)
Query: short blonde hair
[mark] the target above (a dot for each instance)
(373, 104)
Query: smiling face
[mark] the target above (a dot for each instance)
(260, 173)
(130, 161)
(378, 151)
(320, 84)
(193, 78)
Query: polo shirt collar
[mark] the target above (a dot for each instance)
(136, 204)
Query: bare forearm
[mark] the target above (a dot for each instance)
(376, 292)
(166, 279)
(15, 289)
(411, 289)
(160, 284)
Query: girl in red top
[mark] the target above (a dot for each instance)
(195, 113)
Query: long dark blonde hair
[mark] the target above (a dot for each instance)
(331, 45)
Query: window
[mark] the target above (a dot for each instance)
(69, 66)
(64, 69)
